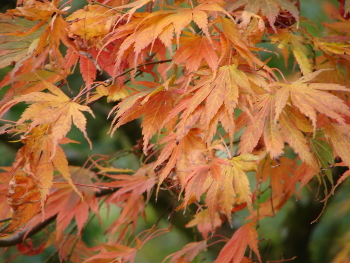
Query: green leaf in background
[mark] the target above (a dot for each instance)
(324, 153)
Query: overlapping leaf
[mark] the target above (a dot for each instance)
(90, 24)
(311, 98)
(36, 10)
(234, 249)
(278, 122)
(287, 38)
(188, 252)
(15, 47)
(194, 49)
(268, 8)
(339, 137)
(39, 156)
(24, 200)
(154, 103)
(67, 204)
(164, 24)
(262, 123)
(55, 109)
(203, 222)
(220, 96)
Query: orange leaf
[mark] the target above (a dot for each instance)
(35, 10)
(241, 164)
(54, 108)
(203, 222)
(234, 249)
(66, 201)
(91, 24)
(88, 70)
(110, 251)
(339, 136)
(312, 97)
(255, 128)
(194, 49)
(24, 199)
(268, 8)
(188, 252)
(297, 140)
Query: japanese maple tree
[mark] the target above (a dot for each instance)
(223, 131)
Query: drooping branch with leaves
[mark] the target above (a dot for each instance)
(219, 123)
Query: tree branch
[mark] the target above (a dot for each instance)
(18, 237)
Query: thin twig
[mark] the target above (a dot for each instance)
(111, 80)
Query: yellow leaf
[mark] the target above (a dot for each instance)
(54, 108)
(299, 49)
(339, 136)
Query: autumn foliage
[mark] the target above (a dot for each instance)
(219, 124)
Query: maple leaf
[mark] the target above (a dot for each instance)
(303, 95)
(194, 49)
(297, 44)
(271, 107)
(38, 158)
(191, 152)
(338, 136)
(223, 91)
(323, 152)
(88, 70)
(68, 204)
(64, 246)
(129, 197)
(262, 123)
(163, 24)
(153, 103)
(54, 108)
(110, 252)
(281, 183)
(181, 154)
(204, 224)
(141, 181)
(41, 153)
(238, 42)
(268, 8)
(26, 82)
(234, 249)
(90, 24)
(241, 164)
(15, 48)
(253, 27)
(297, 140)
(188, 253)
(232, 187)
(24, 199)
(35, 10)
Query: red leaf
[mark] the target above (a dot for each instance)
(88, 70)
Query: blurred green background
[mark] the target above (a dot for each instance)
(289, 234)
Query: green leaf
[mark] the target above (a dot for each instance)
(324, 154)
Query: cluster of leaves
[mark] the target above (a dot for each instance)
(213, 112)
